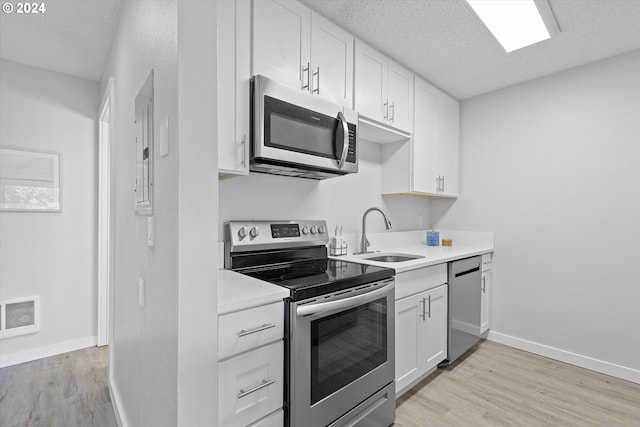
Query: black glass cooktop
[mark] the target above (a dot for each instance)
(308, 279)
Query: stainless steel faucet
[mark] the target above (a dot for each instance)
(364, 243)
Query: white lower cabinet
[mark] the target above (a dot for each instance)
(421, 325)
(251, 367)
(485, 294)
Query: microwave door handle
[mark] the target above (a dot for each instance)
(344, 130)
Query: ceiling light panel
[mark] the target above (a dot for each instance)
(514, 23)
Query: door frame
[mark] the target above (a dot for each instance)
(105, 214)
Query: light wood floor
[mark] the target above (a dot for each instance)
(491, 385)
(68, 390)
(496, 385)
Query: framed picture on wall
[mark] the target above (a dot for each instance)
(29, 180)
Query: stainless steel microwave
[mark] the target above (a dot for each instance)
(294, 133)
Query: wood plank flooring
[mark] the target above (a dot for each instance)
(491, 385)
(497, 385)
(67, 390)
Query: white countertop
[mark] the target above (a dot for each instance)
(465, 244)
(238, 292)
(432, 255)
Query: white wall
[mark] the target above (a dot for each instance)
(340, 200)
(144, 354)
(52, 255)
(552, 167)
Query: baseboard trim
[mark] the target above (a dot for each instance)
(607, 368)
(17, 357)
(116, 402)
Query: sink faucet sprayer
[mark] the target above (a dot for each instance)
(364, 243)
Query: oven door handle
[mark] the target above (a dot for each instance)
(323, 307)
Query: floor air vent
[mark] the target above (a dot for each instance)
(19, 316)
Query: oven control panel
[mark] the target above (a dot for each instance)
(243, 236)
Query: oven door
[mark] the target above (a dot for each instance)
(342, 353)
(296, 128)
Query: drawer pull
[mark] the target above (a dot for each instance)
(264, 384)
(244, 332)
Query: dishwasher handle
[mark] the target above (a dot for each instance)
(469, 271)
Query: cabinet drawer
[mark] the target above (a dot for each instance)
(250, 385)
(246, 329)
(420, 280)
(272, 420)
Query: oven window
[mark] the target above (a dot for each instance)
(298, 129)
(347, 345)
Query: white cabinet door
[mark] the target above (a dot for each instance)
(281, 32)
(331, 61)
(435, 335)
(400, 97)
(409, 327)
(435, 143)
(448, 143)
(371, 82)
(250, 385)
(234, 73)
(424, 176)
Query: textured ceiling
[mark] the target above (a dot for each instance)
(71, 36)
(445, 43)
(439, 39)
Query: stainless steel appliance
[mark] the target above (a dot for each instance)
(340, 325)
(295, 133)
(464, 306)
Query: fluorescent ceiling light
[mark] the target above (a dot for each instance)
(515, 23)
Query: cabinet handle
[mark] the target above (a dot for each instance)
(424, 305)
(385, 108)
(442, 184)
(265, 383)
(244, 332)
(242, 150)
(393, 112)
(307, 71)
(317, 74)
(438, 184)
(429, 307)
(484, 284)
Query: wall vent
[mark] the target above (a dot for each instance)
(19, 316)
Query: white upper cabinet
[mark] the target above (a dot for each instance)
(298, 47)
(428, 164)
(384, 89)
(281, 46)
(400, 96)
(234, 74)
(331, 61)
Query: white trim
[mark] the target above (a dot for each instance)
(116, 402)
(607, 368)
(105, 203)
(8, 359)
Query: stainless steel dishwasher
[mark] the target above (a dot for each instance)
(464, 306)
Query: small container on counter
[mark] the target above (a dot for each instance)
(447, 242)
(433, 238)
(337, 244)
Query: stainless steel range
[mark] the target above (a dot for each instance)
(340, 330)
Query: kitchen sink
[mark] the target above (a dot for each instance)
(392, 257)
